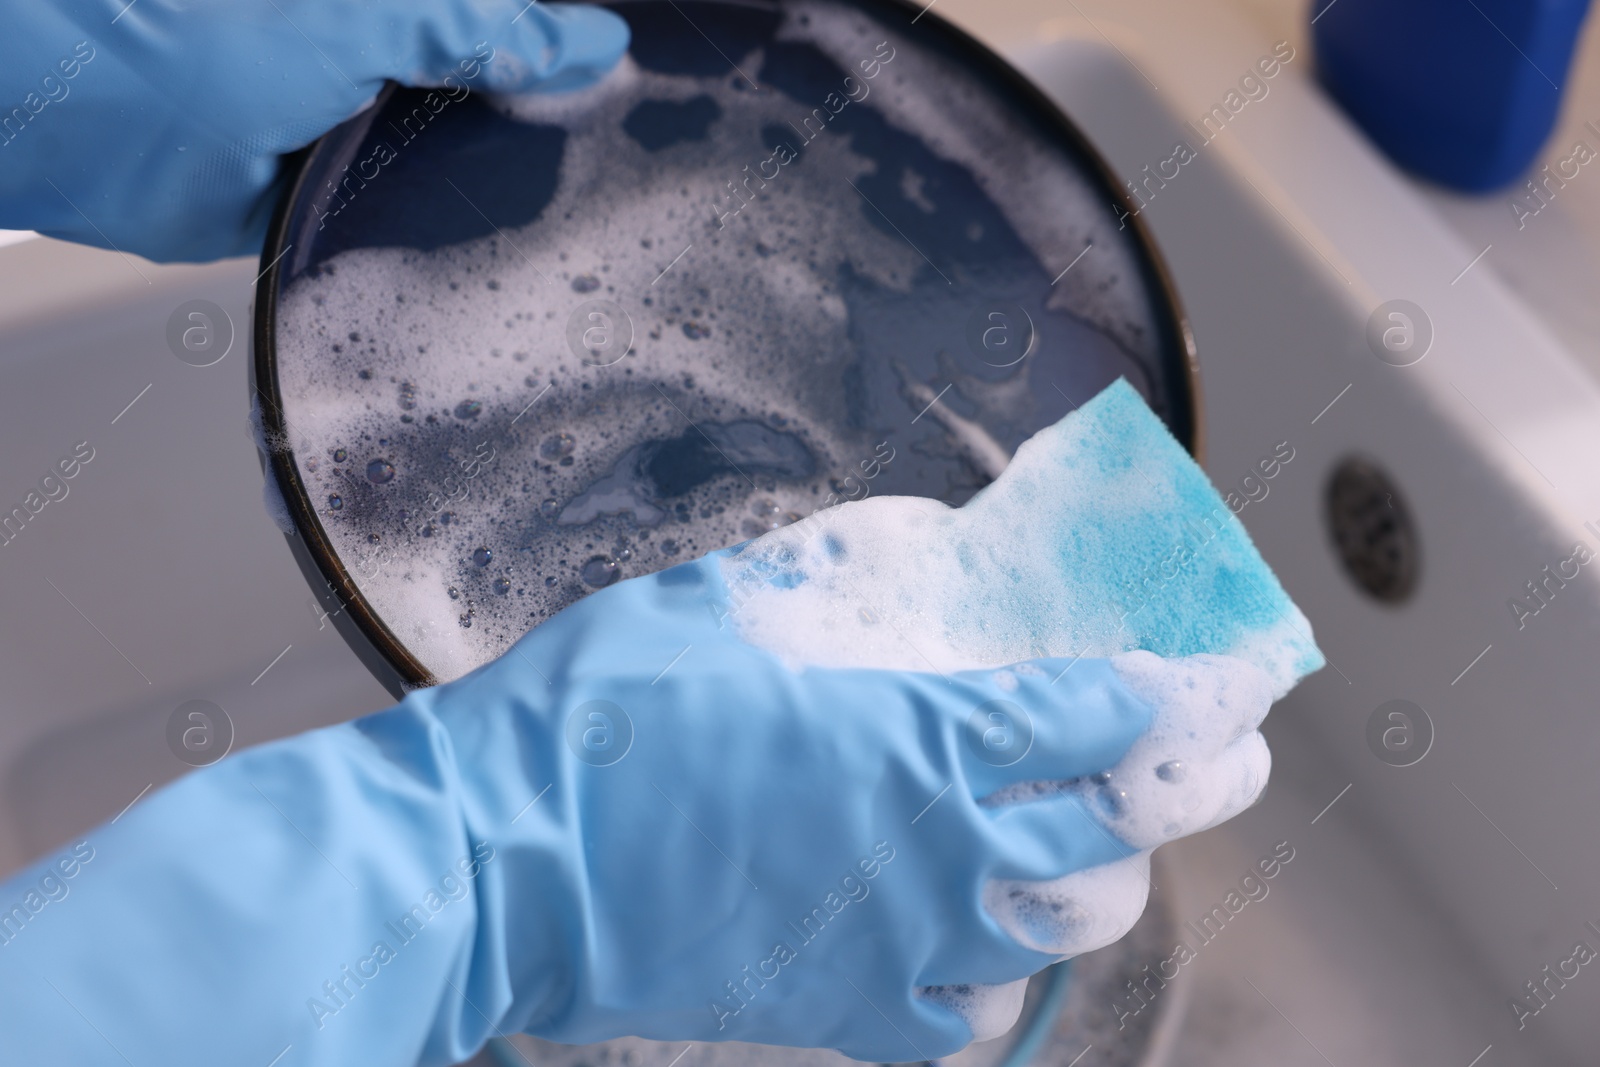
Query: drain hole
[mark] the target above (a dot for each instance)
(1373, 531)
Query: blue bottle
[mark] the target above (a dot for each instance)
(1462, 92)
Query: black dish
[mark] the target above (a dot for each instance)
(502, 360)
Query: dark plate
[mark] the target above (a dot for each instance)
(790, 253)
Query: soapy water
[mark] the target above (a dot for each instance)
(434, 401)
(1104, 539)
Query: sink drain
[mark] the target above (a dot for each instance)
(1372, 530)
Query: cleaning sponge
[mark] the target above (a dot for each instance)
(1102, 536)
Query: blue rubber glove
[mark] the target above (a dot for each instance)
(608, 831)
(157, 126)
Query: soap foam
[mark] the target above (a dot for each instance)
(1102, 538)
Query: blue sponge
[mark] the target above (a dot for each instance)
(1102, 536)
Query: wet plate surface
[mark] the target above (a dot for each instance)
(518, 349)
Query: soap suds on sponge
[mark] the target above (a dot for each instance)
(1102, 536)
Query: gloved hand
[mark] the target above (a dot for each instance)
(632, 823)
(774, 856)
(156, 126)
